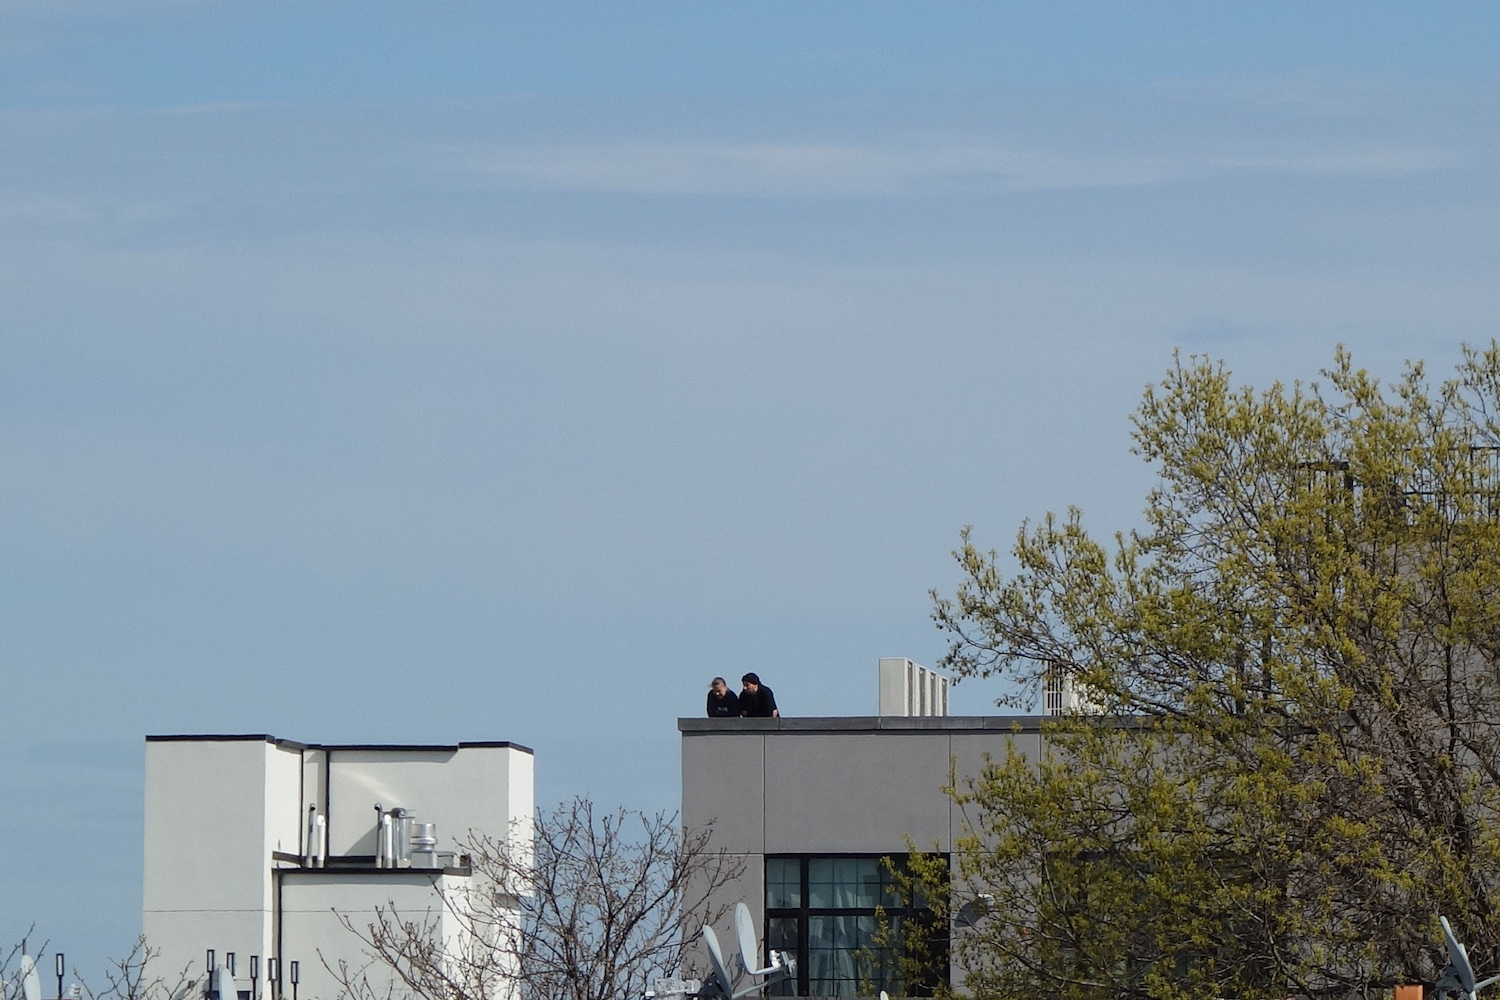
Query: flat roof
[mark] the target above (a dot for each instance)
(295, 745)
(865, 724)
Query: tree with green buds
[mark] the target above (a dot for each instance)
(1288, 760)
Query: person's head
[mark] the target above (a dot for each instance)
(750, 682)
(718, 687)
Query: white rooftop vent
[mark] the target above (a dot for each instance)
(1062, 695)
(908, 688)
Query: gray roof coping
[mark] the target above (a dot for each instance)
(864, 724)
(296, 745)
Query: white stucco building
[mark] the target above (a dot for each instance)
(255, 845)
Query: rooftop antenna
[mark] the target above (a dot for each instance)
(1458, 976)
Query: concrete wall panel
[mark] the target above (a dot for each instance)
(203, 879)
(969, 752)
(485, 791)
(205, 826)
(358, 780)
(855, 792)
(969, 749)
(313, 901)
(283, 796)
(722, 781)
(464, 790)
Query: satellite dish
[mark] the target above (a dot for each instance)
(716, 954)
(1458, 959)
(223, 984)
(974, 910)
(31, 983)
(744, 929)
(1459, 977)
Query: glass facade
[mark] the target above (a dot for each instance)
(821, 908)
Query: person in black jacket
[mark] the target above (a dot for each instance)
(756, 700)
(722, 702)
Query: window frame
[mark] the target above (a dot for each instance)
(803, 912)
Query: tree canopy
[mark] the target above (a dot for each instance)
(1289, 764)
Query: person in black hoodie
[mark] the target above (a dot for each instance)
(722, 702)
(756, 700)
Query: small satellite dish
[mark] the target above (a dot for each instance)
(31, 983)
(1459, 977)
(1458, 959)
(744, 929)
(223, 984)
(974, 910)
(716, 955)
(749, 948)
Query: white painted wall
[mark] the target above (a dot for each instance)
(313, 903)
(468, 788)
(314, 775)
(521, 808)
(219, 808)
(206, 868)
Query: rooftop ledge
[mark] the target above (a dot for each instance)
(296, 745)
(864, 724)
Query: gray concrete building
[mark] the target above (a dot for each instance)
(811, 805)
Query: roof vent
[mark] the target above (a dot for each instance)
(908, 688)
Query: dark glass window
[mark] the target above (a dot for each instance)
(821, 908)
(783, 883)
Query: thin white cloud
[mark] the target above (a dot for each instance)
(39, 210)
(791, 169)
(1397, 162)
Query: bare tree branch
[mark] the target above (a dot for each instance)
(593, 908)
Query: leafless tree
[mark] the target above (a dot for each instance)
(138, 976)
(597, 907)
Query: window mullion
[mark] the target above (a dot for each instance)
(804, 949)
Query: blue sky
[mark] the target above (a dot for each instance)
(182, 52)
(507, 371)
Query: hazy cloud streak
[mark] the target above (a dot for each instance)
(770, 170)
